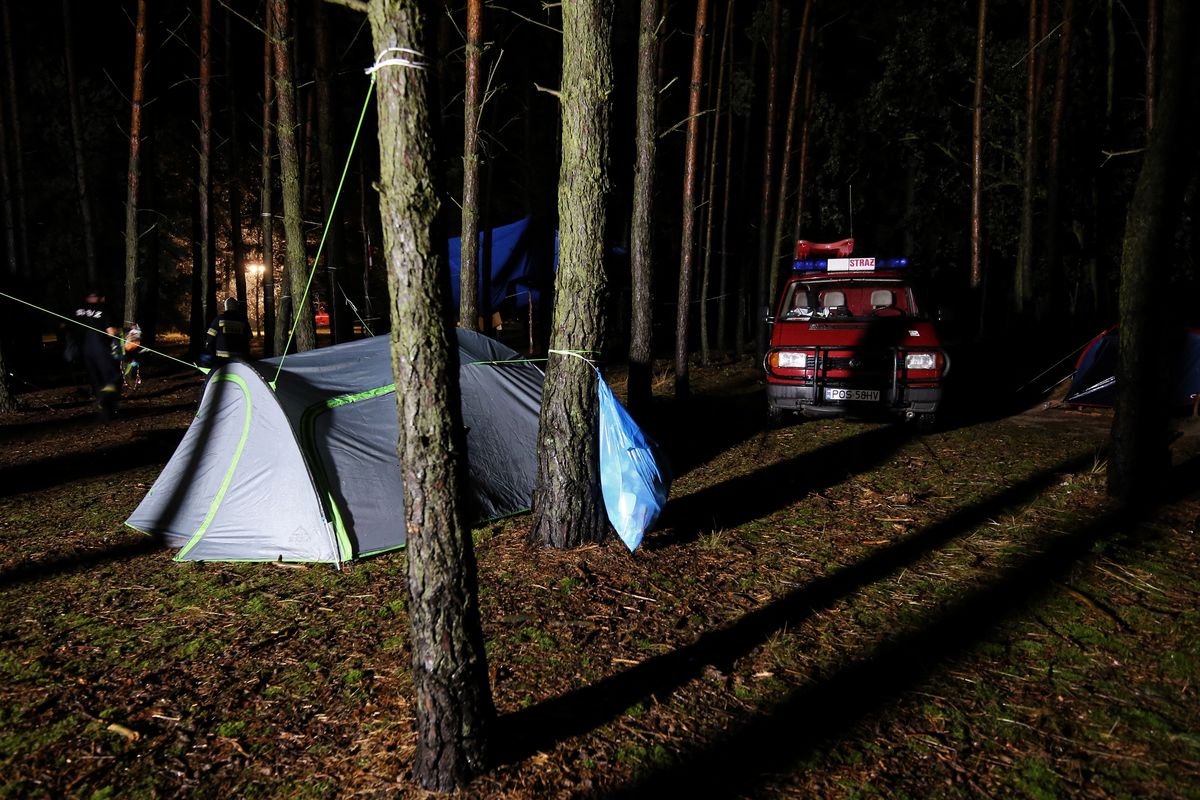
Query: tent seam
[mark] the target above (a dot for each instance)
(228, 479)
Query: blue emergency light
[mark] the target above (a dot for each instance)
(847, 264)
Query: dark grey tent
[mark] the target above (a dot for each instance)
(309, 472)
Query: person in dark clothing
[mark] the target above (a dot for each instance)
(228, 335)
(100, 347)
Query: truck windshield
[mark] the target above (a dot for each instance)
(848, 300)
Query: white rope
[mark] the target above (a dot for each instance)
(381, 62)
(576, 354)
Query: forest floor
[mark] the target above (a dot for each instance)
(827, 609)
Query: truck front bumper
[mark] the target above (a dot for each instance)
(803, 399)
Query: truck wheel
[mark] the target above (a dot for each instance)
(774, 415)
(926, 422)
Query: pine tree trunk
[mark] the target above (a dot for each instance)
(802, 171)
(151, 240)
(687, 245)
(785, 171)
(11, 265)
(723, 238)
(567, 507)
(468, 307)
(267, 278)
(743, 335)
(1140, 456)
(764, 218)
(236, 235)
(207, 265)
(1151, 61)
(641, 335)
(1053, 157)
(132, 273)
(710, 182)
(296, 271)
(1023, 279)
(18, 149)
(453, 703)
(334, 255)
(977, 153)
(7, 402)
(85, 200)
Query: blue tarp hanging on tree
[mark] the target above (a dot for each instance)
(633, 483)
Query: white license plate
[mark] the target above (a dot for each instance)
(865, 395)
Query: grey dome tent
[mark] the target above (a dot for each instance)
(309, 472)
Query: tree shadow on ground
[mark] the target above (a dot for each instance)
(693, 432)
(741, 761)
(748, 497)
(542, 726)
(152, 447)
(78, 561)
(127, 411)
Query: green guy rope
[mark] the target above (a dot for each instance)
(297, 308)
(74, 321)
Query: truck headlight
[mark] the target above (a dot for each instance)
(920, 361)
(789, 359)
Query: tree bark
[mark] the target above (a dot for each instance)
(785, 169)
(1023, 279)
(687, 245)
(567, 506)
(1151, 61)
(469, 304)
(977, 153)
(747, 274)
(340, 325)
(207, 265)
(18, 149)
(1140, 456)
(802, 173)
(296, 270)
(768, 175)
(453, 703)
(132, 276)
(236, 235)
(7, 402)
(641, 336)
(85, 200)
(1053, 158)
(723, 238)
(267, 279)
(710, 182)
(12, 267)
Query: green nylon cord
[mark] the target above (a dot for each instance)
(295, 318)
(337, 195)
(74, 321)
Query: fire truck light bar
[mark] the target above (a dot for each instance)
(848, 264)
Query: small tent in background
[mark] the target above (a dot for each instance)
(1095, 383)
(309, 472)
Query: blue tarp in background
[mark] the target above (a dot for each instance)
(522, 264)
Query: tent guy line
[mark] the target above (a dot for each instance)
(121, 339)
(325, 230)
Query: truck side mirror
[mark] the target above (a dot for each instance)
(945, 315)
(767, 316)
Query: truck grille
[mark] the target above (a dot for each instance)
(874, 362)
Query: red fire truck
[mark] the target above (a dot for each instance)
(848, 337)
